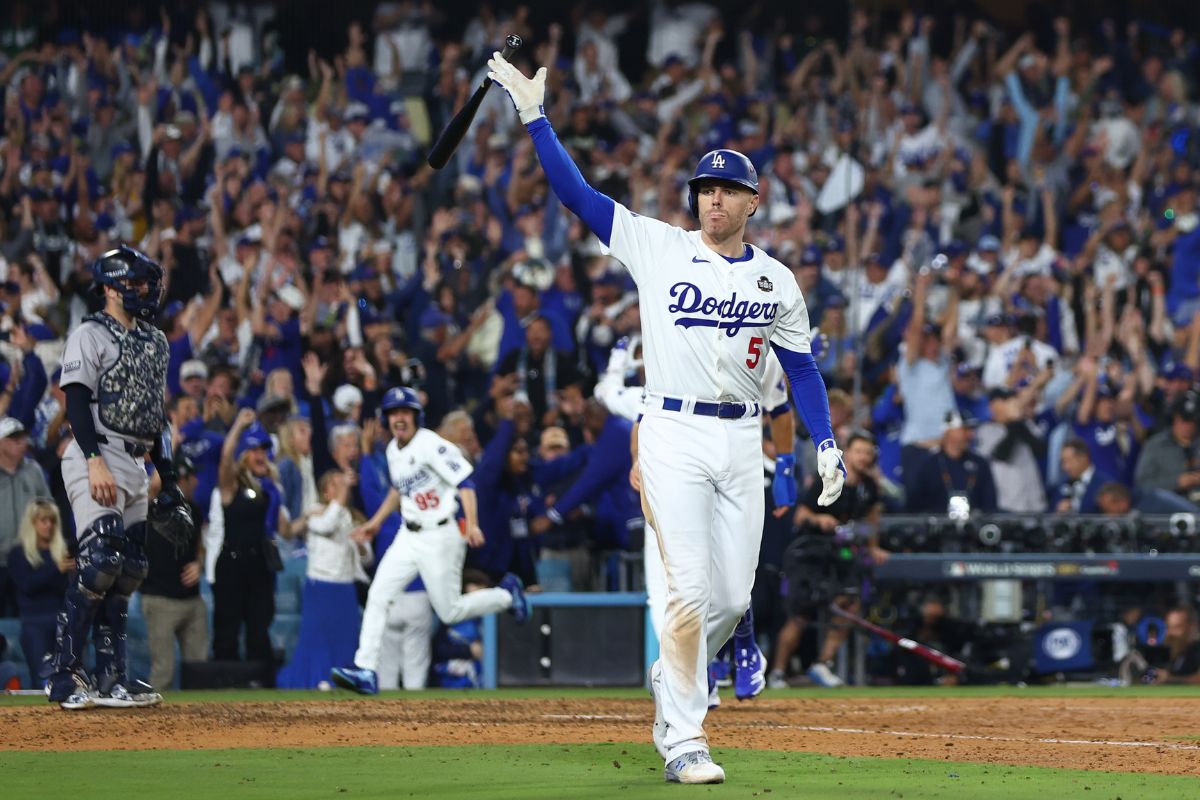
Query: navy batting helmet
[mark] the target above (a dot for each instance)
(722, 165)
(123, 268)
(403, 397)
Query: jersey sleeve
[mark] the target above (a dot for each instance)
(637, 241)
(81, 357)
(447, 461)
(792, 329)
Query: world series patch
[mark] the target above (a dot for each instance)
(765, 284)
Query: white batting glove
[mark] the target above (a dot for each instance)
(832, 472)
(526, 94)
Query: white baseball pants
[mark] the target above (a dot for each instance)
(437, 555)
(406, 647)
(702, 480)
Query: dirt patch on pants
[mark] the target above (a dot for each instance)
(1126, 734)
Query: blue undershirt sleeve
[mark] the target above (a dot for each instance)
(808, 392)
(595, 209)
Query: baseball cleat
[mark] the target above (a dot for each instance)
(659, 731)
(355, 679)
(134, 694)
(520, 606)
(778, 680)
(79, 698)
(694, 767)
(820, 674)
(750, 672)
(714, 693)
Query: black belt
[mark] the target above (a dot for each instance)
(416, 527)
(718, 410)
(135, 450)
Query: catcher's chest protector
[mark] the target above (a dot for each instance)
(130, 395)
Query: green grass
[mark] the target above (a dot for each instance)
(1050, 691)
(534, 772)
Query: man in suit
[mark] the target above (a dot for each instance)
(1079, 493)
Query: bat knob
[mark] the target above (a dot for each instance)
(512, 41)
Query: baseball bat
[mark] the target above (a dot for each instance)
(456, 128)
(948, 663)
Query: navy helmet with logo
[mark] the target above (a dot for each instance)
(722, 165)
(127, 270)
(403, 397)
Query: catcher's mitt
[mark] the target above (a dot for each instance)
(170, 516)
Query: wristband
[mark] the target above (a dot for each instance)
(553, 515)
(828, 444)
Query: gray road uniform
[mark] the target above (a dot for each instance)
(125, 372)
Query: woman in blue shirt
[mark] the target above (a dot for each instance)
(40, 567)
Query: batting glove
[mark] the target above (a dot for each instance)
(783, 488)
(832, 472)
(526, 94)
(819, 342)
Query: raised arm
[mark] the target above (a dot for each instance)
(528, 95)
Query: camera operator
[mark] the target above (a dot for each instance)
(1183, 645)
(860, 501)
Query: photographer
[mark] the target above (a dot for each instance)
(859, 501)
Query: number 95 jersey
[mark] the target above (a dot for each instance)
(426, 472)
(707, 322)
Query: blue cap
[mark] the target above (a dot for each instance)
(433, 317)
(171, 309)
(671, 61)
(121, 148)
(834, 244)
(989, 244)
(810, 257)
(253, 438)
(1178, 372)
(956, 248)
(363, 272)
(320, 243)
(835, 301)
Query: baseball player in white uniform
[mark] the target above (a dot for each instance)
(430, 480)
(711, 305)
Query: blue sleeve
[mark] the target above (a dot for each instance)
(808, 391)
(208, 90)
(1028, 115)
(29, 391)
(595, 209)
(608, 456)
(546, 472)
(289, 477)
(491, 463)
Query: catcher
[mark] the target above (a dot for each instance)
(114, 372)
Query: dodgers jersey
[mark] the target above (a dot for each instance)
(707, 323)
(426, 472)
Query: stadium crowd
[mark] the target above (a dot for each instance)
(997, 235)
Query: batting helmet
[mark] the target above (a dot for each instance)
(722, 165)
(123, 267)
(170, 516)
(403, 397)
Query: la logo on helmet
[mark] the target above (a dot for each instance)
(718, 161)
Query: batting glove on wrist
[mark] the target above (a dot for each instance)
(527, 94)
(832, 472)
(783, 488)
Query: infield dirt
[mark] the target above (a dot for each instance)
(1148, 735)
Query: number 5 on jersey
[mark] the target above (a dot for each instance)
(755, 351)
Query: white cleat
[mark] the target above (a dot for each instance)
(694, 767)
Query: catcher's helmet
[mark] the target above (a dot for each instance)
(722, 165)
(123, 268)
(403, 397)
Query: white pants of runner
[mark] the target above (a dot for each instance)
(437, 555)
(702, 479)
(406, 648)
